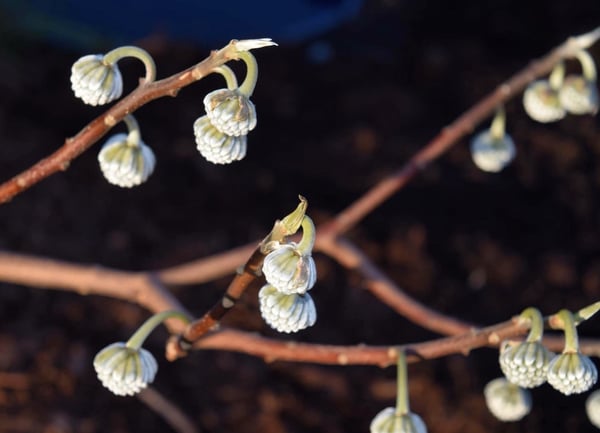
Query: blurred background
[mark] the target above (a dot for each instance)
(354, 89)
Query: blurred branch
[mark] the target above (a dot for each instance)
(178, 420)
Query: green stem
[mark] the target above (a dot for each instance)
(557, 76)
(587, 65)
(402, 405)
(571, 338)
(134, 136)
(247, 87)
(586, 312)
(229, 76)
(117, 54)
(137, 339)
(536, 331)
(309, 234)
(498, 127)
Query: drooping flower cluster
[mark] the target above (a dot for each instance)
(221, 134)
(592, 408)
(550, 100)
(290, 272)
(493, 149)
(506, 400)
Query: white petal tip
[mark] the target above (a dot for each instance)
(251, 44)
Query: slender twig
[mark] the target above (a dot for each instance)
(91, 133)
(174, 416)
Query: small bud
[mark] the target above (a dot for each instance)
(492, 154)
(251, 44)
(525, 364)
(230, 111)
(216, 146)
(578, 95)
(507, 401)
(572, 373)
(95, 81)
(126, 164)
(592, 408)
(125, 370)
(541, 102)
(388, 421)
(290, 271)
(286, 313)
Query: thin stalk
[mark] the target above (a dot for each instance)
(138, 338)
(588, 66)
(229, 76)
(134, 135)
(557, 76)
(402, 404)
(568, 325)
(117, 54)
(309, 234)
(247, 87)
(536, 330)
(498, 127)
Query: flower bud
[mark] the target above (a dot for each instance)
(592, 408)
(95, 81)
(492, 154)
(507, 401)
(525, 364)
(286, 313)
(578, 95)
(230, 111)
(572, 373)
(216, 146)
(125, 370)
(388, 421)
(126, 164)
(541, 102)
(290, 271)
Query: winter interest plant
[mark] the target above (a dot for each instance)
(281, 267)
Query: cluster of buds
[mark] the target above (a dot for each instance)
(493, 149)
(221, 134)
(399, 419)
(529, 364)
(290, 272)
(550, 100)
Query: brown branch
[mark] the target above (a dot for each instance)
(452, 133)
(90, 134)
(168, 411)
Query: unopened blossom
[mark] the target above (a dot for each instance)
(541, 102)
(492, 153)
(96, 81)
(389, 421)
(507, 401)
(579, 95)
(526, 363)
(230, 111)
(572, 373)
(592, 408)
(286, 313)
(126, 163)
(216, 146)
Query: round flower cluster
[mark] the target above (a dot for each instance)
(388, 421)
(525, 364)
(507, 401)
(290, 273)
(125, 162)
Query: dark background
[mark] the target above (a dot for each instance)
(338, 110)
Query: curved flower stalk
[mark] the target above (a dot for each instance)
(579, 93)
(571, 372)
(493, 149)
(399, 419)
(286, 312)
(507, 401)
(96, 78)
(526, 363)
(290, 267)
(592, 408)
(125, 160)
(127, 368)
(541, 101)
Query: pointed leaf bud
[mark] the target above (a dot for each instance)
(216, 146)
(507, 401)
(492, 154)
(95, 81)
(592, 408)
(230, 111)
(251, 44)
(541, 102)
(572, 373)
(125, 370)
(388, 421)
(286, 313)
(526, 363)
(126, 164)
(578, 95)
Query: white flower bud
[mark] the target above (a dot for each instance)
(230, 111)
(286, 313)
(592, 408)
(492, 154)
(507, 401)
(290, 271)
(125, 164)
(578, 95)
(251, 44)
(387, 421)
(572, 373)
(525, 364)
(216, 146)
(95, 81)
(123, 370)
(541, 102)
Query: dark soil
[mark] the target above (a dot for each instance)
(473, 245)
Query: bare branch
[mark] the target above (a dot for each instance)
(174, 416)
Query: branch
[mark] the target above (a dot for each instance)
(178, 420)
(90, 134)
